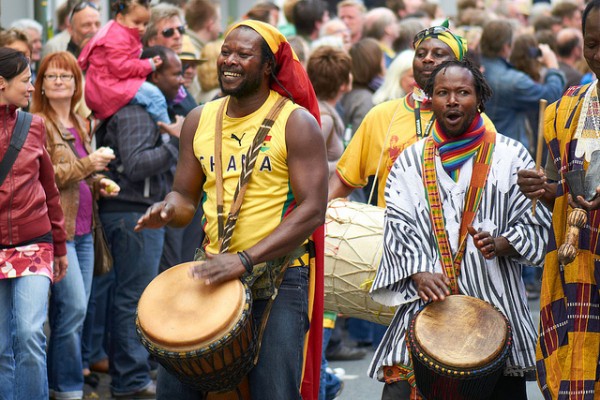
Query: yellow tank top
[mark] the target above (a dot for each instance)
(269, 195)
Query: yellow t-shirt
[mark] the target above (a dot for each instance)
(269, 195)
(361, 157)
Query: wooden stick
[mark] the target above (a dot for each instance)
(540, 145)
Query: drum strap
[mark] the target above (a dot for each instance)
(226, 226)
(481, 167)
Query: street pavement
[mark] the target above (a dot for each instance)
(357, 385)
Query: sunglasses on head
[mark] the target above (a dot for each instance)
(434, 30)
(81, 5)
(171, 31)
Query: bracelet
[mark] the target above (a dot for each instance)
(246, 261)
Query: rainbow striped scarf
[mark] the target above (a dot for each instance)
(454, 152)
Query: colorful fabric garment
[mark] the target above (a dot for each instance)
(454, 152)
(386, 131)
(568, 351)
(457, 44)
(410, 247)
(32, 259)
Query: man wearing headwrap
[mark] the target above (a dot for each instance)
(393, 125)
(282, 204)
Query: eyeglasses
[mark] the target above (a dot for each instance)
(63, 77)
(171, 31)
(433, 31)
(81, 5)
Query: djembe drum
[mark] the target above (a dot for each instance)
(201, 334)
(353, 249)
(458, 348)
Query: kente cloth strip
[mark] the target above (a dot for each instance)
(410, 247)
(454, 152)
(568, 348)
(484, 149)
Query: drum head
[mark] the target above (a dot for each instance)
(180, 313)
(461, 331)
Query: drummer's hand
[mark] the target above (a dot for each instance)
(531, 182)
(593, 204)
(484, 242)
(218, 268)
(431, 287)
(156, 216)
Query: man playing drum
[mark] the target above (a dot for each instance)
(568, 352)
(458, 182)
(283, 203)
(392, 126)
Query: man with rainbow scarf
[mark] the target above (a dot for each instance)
(456, 223)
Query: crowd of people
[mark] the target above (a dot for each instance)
(188, 140)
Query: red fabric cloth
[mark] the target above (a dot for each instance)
(294, 79)
(312, 369)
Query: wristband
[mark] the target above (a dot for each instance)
(246, 261)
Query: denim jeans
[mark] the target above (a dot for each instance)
(68, 305)
(136, 256)
(94, 341)
(278, 373)
(151, 98)
(330, 384)
(22, 340)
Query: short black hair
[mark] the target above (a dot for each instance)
(483, 90)
(592, 5)
(162, 51)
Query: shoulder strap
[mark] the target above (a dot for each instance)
(17, 140)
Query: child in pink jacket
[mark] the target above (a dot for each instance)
(116, 75)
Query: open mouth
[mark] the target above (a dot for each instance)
(230, 74)
(453, 116)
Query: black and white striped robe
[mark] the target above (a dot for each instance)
(409, 247)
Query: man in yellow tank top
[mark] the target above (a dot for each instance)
(283, 202)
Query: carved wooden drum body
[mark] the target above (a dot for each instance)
(202, 334)
(458, 348)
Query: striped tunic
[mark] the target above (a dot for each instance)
(409, 247)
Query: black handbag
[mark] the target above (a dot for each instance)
(17, 140)
(103, 261)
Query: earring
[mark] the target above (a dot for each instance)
(43, 92)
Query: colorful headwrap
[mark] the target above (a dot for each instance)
(292, 80)
(457, 43)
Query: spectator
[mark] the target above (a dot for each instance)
(352, 13)
(568, 13)
(399, 79)
(165, 28)
(33, 30)
(402, 8)
(84, 23)
(208, 75)
(203, 19)
(367, 74)
(140, 169)
(16, 39)
(57, 93)
(515, 94)
(264, 11)
(33, 252)
(381, 25)
(309, 16)
(569, 50)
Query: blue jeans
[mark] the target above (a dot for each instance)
(68, 305)
(23, 313)
(330, 384)
(94, 343)
(278, 373)
(151, 98)
(136, 256)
